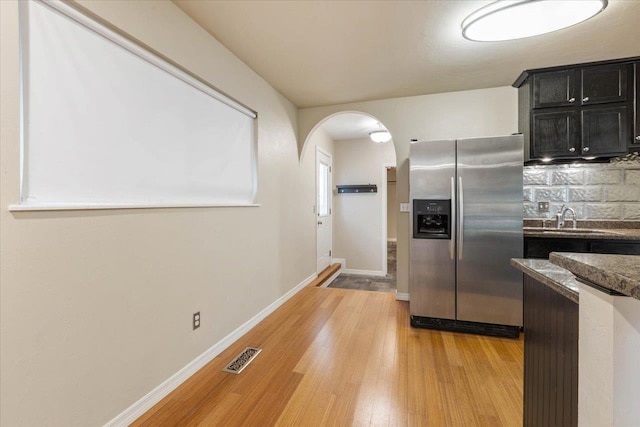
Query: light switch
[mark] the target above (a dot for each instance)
(404, 207)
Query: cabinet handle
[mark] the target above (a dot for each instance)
(585, 99)
(638, 138)
(572, 100)
(585, 149)
(572, 150)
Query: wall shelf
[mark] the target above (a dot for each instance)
(368, 188)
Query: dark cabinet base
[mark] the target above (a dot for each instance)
(550, 357)
(541, 247)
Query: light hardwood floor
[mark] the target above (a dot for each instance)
(343, 357)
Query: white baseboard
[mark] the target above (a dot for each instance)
(364, 272)
(343, 269)
(402, 296)
(136, 410)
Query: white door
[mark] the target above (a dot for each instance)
(323, 208)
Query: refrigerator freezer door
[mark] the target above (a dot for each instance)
(490, 182)
(432, 272)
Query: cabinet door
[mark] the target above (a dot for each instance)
(555, 89)
(555, 133)
(636, 134)
(605, 83)
(620, 248)
(537, 247)
(604, 131)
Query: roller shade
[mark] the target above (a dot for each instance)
(106, 122)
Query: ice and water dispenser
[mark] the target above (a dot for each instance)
(431, 219)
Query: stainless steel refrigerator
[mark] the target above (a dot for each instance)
(466, 225)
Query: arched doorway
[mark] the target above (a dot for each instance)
(352, 224)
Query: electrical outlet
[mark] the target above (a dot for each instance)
(543, 207)
(196, 320)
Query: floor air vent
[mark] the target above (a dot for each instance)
(242, 360)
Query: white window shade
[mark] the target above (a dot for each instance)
(107, 123)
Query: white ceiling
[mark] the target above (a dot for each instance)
(351, 126)
(330, 52)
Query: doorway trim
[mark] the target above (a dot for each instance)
(384, 215)
(320, 150)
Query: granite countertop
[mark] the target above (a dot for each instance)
(583, 233)
(620, 273)
(557, 278)
(586, 229)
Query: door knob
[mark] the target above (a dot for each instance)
(585, 99)
(572, 149)
(319, 222)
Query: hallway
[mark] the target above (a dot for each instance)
(372, 283)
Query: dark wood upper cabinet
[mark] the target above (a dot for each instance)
(603, 84)
(604, 131)
(555, 89)
(555, 132)
(582, 110)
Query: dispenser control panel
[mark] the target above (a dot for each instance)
(432, 219)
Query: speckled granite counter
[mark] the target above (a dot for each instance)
(586, 229)
(583, 233)
(619, 273)
(557, 278)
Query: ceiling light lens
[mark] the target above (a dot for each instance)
(380, 136)
(516, 19)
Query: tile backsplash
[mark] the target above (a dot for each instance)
(594, 191)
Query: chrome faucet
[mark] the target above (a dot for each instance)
(560, 216)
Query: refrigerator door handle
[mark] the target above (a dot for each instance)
(461, 217)
(452, 253)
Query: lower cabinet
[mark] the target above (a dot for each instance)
(616, 247)
(550, 357)
(541, 247)
(536, 247)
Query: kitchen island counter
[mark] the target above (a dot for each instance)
(553, 276)
(617, 273)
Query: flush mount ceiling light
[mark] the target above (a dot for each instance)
(380, 136)
(516, 19)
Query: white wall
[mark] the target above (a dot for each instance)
(358, 218)
(96, 306)
(608, 364)
(322, 140)
(474, 113)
